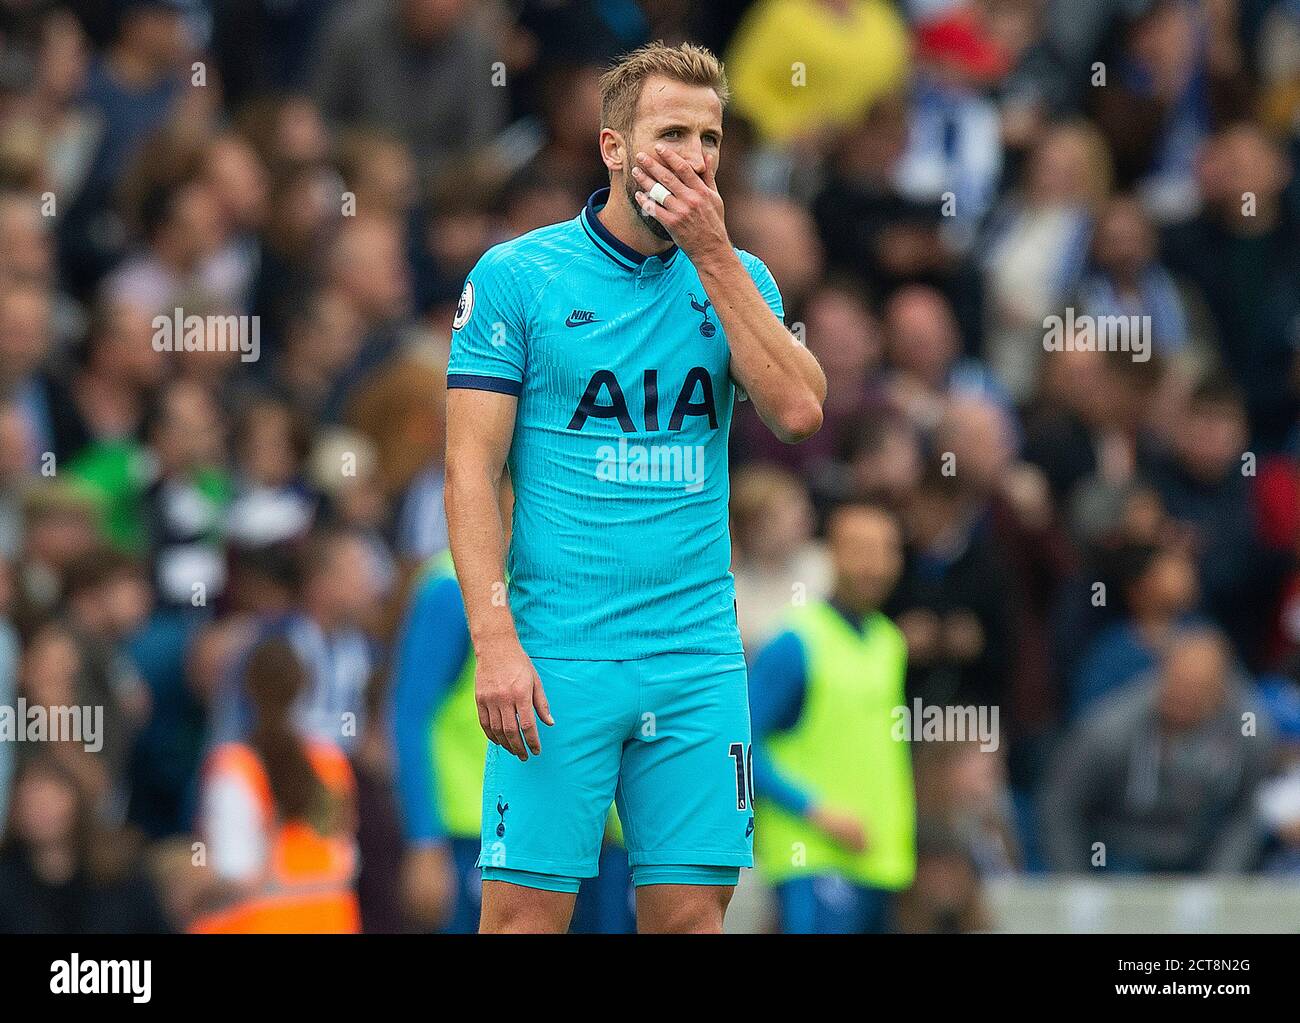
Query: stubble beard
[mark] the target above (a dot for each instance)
(653, 226)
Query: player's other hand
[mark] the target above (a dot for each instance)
(428, 886)
(508, 691)
(693, 214)
(842, 828)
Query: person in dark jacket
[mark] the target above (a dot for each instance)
(1161, 777)
(57, 876)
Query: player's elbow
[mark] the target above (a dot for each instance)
(799, 421)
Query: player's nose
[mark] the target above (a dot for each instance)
(694, 155)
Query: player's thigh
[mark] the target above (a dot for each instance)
(525, 908)
(684, 790)
(546, 815)
(682, 908)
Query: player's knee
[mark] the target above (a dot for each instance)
(705, 918)
(514, 909)
(702, 913)
(518, 922)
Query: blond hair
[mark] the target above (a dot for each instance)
(620, 86)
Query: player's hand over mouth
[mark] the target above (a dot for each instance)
(693, 214)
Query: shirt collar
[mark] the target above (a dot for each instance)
(859, 623)
(601, 236)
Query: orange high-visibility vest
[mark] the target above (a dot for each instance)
(306, 887)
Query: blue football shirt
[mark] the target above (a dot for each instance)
(620, 546)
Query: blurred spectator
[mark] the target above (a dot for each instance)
(271, 503)
(118, 369)
(837, 777)
(838, 327)
(570, 96)
(344, 470)
(1093, 421)
(962, 790)
(776, 562)
(782, 234)
(945, 898)
(25, 345)
(304, 208)
(875, 232)
(1163, 776)
(367, 266)
(58, 532)
(131, 90)
(1037, 243)
(265, 47)
(951, 601)
(1279, 806)
(1124, 279)
(278, 818)
(183, 505)
(1276, 501)
(60, 873)
(1203, 484)
(924, 351)
(339, 592)
(186, 261)
(233, 173)
(1011, 504)
(1158, 588)
(1179, 72)
(797, 70)
(324, 337)
(107, 599)
(400, 409)
(1242, 251)
(955, 142)
(420, 69)
(882, 459)
(433, 694)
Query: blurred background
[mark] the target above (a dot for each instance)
(185, 535)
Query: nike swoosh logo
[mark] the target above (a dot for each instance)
(571, 322)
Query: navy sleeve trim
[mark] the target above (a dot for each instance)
(476, 382)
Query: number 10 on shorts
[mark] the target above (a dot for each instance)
(744, 757)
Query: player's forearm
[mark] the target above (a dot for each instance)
(781, 377)
(478, 549)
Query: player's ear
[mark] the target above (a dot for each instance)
(613, 150)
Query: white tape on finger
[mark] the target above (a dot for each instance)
(659, 193)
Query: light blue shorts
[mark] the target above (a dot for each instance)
(666, 738)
